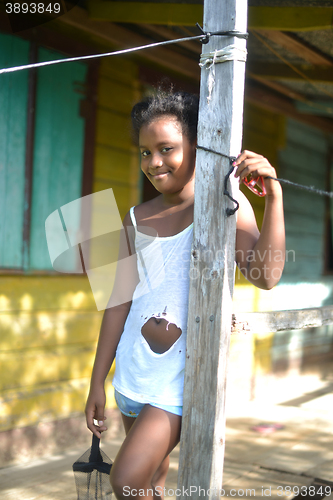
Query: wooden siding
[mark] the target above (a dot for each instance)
(58, 149)
(50, 324)
(116, 159)
(264, 133)
(300, 354)
(13, 123)
(304, 160)
(269, 360)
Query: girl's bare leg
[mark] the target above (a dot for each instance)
(141, 465)
(162, 472)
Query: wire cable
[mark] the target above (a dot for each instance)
(204, 38)
(231, 159)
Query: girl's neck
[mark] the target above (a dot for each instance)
(184, 198)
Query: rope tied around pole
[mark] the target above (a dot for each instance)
(228, 53)
(209, 59)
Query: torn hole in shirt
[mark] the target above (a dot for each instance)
(160, 332)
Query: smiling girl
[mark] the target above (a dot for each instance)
(147, 333)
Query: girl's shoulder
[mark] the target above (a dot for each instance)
(163, 221)
(146, 210)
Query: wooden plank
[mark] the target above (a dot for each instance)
(46, 329)
(304, 160)
(113, 130)
(169, 34)
(276, 71)
(203, 424)
(116, 96)
(266, 143)
(277, 103)
(46, 402)
(30, 139)
(45, 293)
(290, 18)
(116, 160)
(178, 14)
(114, 165)
(311, 161)
(187, 14)
(310, 166)
(311, 247)
(324, 470)
(313, 209)
(260, 123)
(35, 366)
(88, 112)
(282, 89)
(58, 151)
(307, 137)
(321, 108)
(119, 70)
(13, 126)
(262, 132)
(300, 268)
(279, 321)
(298, 46)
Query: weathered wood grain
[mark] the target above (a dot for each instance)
(279, 321)
(212, 263)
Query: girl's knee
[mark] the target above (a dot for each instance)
(126, 483)
(119, 483)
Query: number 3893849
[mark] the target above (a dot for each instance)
(33, 8)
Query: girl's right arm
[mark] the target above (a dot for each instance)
(112, 327)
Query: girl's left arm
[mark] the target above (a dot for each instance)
(260, 256)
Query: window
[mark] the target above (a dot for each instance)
(29, 193)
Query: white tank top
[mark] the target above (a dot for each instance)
(163, 265)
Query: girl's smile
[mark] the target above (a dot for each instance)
(167, 156)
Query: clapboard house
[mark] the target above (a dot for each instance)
(65, 134)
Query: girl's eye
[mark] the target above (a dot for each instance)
(144, 154)
(165, 150)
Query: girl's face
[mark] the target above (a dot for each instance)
(167, 156)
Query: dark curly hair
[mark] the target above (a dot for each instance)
(182, 105)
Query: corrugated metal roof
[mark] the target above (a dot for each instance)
(322, 40)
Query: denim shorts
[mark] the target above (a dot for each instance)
(132, 408)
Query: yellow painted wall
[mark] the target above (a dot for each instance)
(50, 324)
(116, 159)
(48, 327)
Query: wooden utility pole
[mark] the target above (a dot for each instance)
(212, 262)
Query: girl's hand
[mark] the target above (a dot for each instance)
(254, 165)
(95, 410)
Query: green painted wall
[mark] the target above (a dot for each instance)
(13, 123)
(304, 160)
(58, 149)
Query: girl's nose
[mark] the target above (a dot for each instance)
(156, 160)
